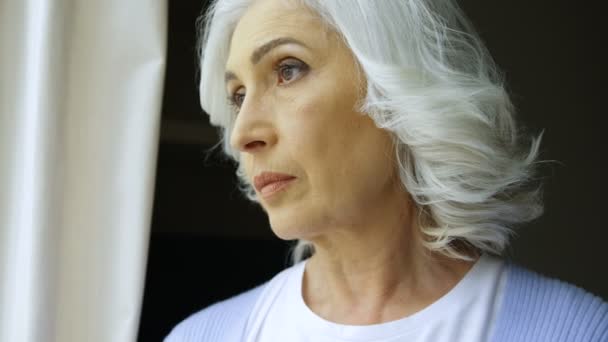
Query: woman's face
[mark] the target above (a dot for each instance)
(296, 116)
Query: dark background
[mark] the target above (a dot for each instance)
(209, 243)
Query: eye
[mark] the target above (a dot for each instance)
(290, 69)
(236, 100)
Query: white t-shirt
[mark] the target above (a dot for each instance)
(466, 313)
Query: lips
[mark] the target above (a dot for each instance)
(269, 182)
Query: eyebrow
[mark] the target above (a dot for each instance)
(261, 51)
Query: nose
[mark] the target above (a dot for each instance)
(253, 130)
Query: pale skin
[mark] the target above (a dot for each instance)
(297, 115)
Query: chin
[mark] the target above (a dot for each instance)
(291, 227)
(286, 232)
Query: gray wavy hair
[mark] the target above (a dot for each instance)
(433, 85)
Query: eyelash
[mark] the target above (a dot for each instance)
(277, 69)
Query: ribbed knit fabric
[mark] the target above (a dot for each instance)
(223, 322)
(534, 308)
(537, 308)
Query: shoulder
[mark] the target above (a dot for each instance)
(222, 321)
(540, 308)
(226, 321)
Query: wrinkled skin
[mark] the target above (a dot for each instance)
(297, 115)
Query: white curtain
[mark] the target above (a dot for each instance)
(80, 95)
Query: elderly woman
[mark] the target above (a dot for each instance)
(379, 135)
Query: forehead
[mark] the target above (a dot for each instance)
(269, 19)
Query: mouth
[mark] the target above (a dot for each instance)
(269, 183)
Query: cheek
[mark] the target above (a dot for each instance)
(332, 143)
(305, 129)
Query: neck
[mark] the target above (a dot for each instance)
(378, 274)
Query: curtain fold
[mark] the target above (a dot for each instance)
(80, 97)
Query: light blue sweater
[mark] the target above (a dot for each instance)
(534, 308)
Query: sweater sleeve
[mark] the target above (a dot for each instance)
(224, 321)
(538, 308)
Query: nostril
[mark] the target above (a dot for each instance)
(254, 144)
